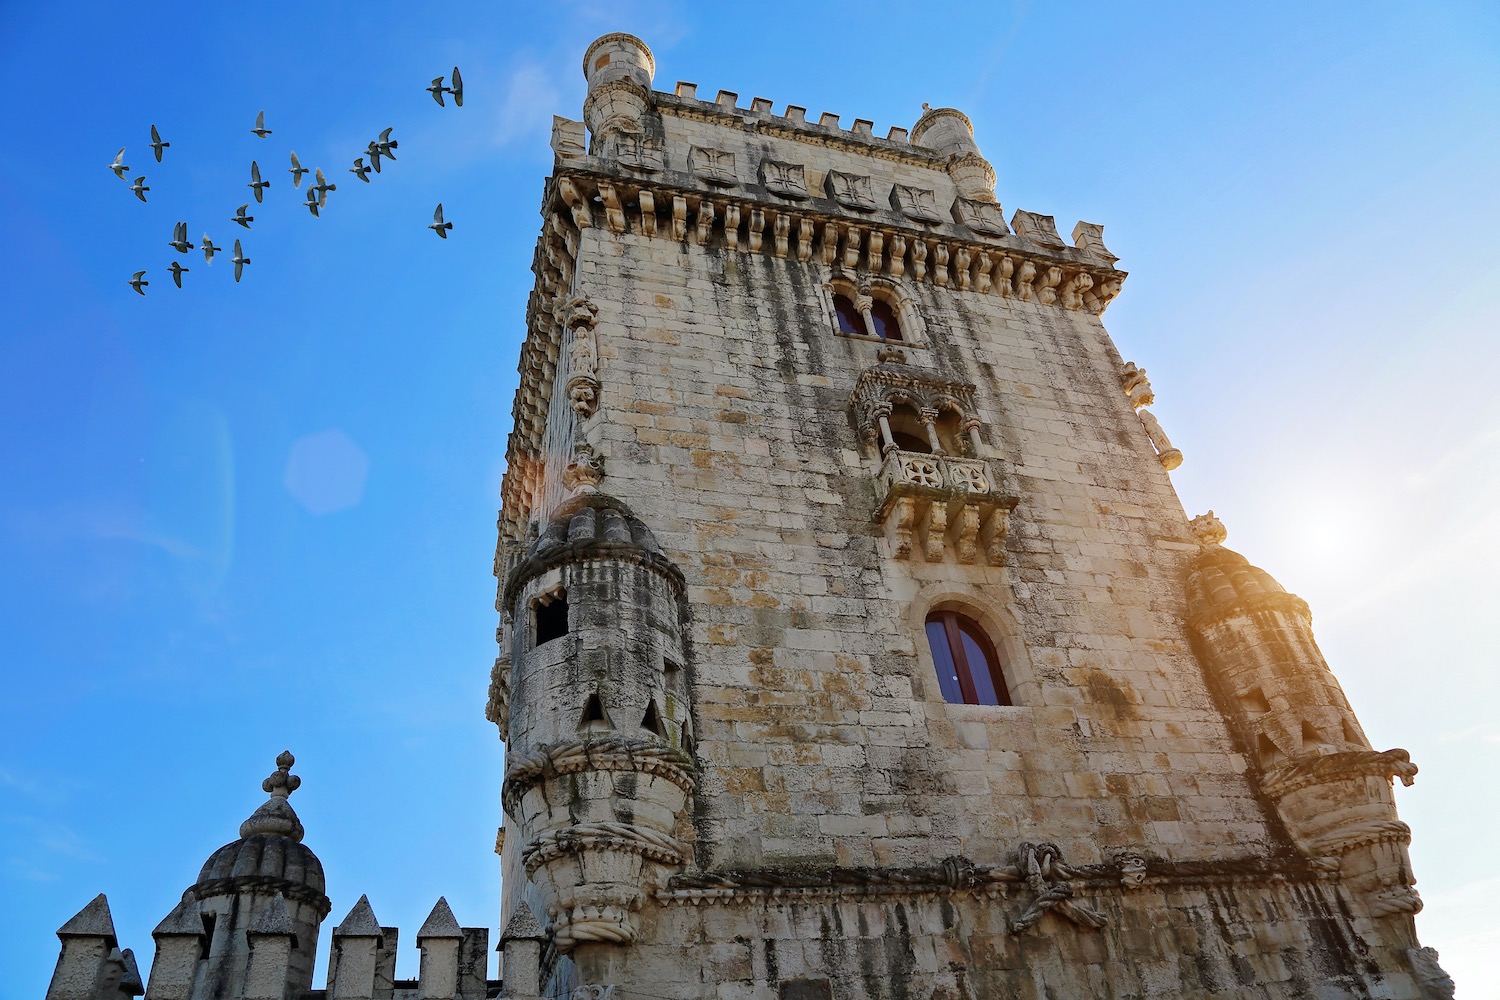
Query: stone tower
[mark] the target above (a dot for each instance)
(853, 641)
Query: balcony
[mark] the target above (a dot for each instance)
(936, 505)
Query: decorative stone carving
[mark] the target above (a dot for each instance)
(985, 217)
(584, 474)
(1208, 529)
(568, 139)
(712, 166)
(850, 190)
(1047, 877)
(1089, 237)
(785, 179)
(1169, 456)
(639, 151)
(1073, 289)
(1038, 228)
(1434, 983)
(1133, 380)
(933, 503)
(580, 316)
(916, 203)
(1132, 869)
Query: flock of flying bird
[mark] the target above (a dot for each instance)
(317, 193)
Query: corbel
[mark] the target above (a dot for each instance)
(804, 240)
(648, 212)
(1047, 289)
(875, 251)
(614, 214)
(983, 263)
(853, 238)
(575, 200)
(732, 226)
(961, 268)
(757, 225)
(919, 259)
(898, 255)
(679, 217)
(705, 222)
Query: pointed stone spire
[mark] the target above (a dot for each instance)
(522, 926)
(184, 920)
(130, 976)
(360, 922)
(440, 923)
(275, 919)
(276, 817)
(93, 920)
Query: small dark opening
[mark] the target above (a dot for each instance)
(206, 942)
(910, 442)
(1310, 736)
(1270, 753)
(593, 714)
(651, 722)
(552, 618)
(1254, 702)
(1351, 735)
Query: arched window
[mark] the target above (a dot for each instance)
(851, 323)
(907, 430)
(879, 321)
(968, 669)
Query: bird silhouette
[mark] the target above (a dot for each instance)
(139, 187)
(296, 170)
(139, 282)
(322, 187)
(457, 90)
(437, 90)
(156, 144)
(312, 200)
(119, 166)
(241, 217)
(209, 249)
(385, 144)
(177, 272)
(260, 126)
(373, 151)
(438, 225)
(240, 260)
(180, 241)
(360, 170)
(255, 181)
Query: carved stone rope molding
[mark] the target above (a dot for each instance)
(601, 837)
(611, 753)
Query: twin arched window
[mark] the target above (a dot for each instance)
(967, 668)
(878, 320)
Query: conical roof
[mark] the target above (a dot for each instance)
(270, 855)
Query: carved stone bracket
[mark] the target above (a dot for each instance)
(935, 504)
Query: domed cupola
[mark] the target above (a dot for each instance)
(599, 763)
(1330, 788)
(266, 885)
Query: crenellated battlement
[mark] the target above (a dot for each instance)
(684, 100)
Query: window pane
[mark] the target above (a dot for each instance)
(981, 670)
(850, 321)
(942, 657)
(884, 320)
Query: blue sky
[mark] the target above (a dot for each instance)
(1305, 199)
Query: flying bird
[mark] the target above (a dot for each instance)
(156, 144)
(240, 260)
(373, 151)
(209, 249)
(260, 126)
(437, 90)
(385, 144)
(241, 217)
(438, 225)
(255, 181)
(119, 167)
(139, 282)
(457, 90)
(139, 187)
(180, 241)
(360, 170)
(322, 187)
(312, 200)
(296, 170)
(177, 272)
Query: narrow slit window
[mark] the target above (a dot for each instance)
(551, 617)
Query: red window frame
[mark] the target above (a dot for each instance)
(954, 628)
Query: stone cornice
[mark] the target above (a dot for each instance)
(1308, 771)
(1289, 603)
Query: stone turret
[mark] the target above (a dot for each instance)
(91, 965)
(1331, 790)
(949, 131)
(599, 769)
(619, 69)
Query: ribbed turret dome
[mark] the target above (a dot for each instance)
(1222, 578)
(591, 525)
(269, 855)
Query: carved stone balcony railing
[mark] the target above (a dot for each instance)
(934, 504)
